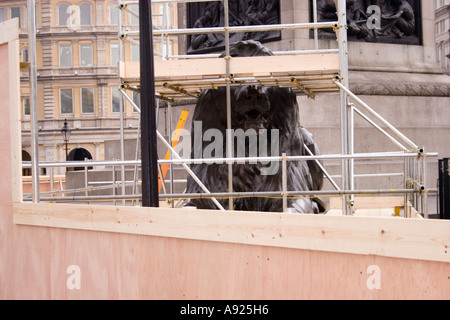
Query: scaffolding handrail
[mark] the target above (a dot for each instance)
(375, 114)
(355, 156)
(257, 194)
(237, 29)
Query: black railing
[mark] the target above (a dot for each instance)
(444, 189)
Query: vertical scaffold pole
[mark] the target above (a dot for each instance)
(346, 139)
(122, 144)
(31, 8)
(284, 181)
(150, 197)
(228, 90)
(121, 102)
(316, 32)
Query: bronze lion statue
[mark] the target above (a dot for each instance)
(265, 122)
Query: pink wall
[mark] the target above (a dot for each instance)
(44, 185)
(118, 266)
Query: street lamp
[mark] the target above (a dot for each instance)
(65, 131)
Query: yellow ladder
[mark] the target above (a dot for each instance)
(175, 140)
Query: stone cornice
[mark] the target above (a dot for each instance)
(402, 89)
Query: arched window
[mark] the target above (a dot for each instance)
(85, 14)
(73, 15)
(63, 14)
(113, 14)
(133, 19)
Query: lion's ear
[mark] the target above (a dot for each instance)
(283, 101)
(211, 109)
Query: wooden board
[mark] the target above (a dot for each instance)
(126, 266)
(10, 95)
(306, 74)
(392, 237)
(241, 66)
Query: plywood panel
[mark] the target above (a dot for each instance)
(118, 266)
(392, 237)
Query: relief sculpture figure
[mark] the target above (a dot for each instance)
(241, 13)
(397, 20)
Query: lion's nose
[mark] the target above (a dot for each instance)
(254, 95)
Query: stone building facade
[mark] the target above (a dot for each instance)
(77, 55)
(443, 34)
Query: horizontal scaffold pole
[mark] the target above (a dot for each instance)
(225, 195)
(255, 28)
(356, 156)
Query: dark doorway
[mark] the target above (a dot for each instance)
(26, 157)
(79, 154)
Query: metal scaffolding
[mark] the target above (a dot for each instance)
(169, 90)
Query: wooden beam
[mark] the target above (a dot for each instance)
(390, 237)
(9, 39)
(241, 66)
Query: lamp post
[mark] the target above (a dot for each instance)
(65, 131)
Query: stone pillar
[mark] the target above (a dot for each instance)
(100, 12)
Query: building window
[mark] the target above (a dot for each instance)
(114, 50)
(24, 55)
(65, 55)
(64, 13)
(163, 15)
(134, 20)
(115, 98)
(15, 13)
(2, 14)
(87, 100)
(86, 55)
(66, 99)
(113, 14)
(135, 52)
(137, 101)
(26, 106)
(85, 14)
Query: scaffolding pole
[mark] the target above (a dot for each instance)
(346, 112)
(224, 195)
(31, 9)
(180, 161)
(149, 158)
(228, 92)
